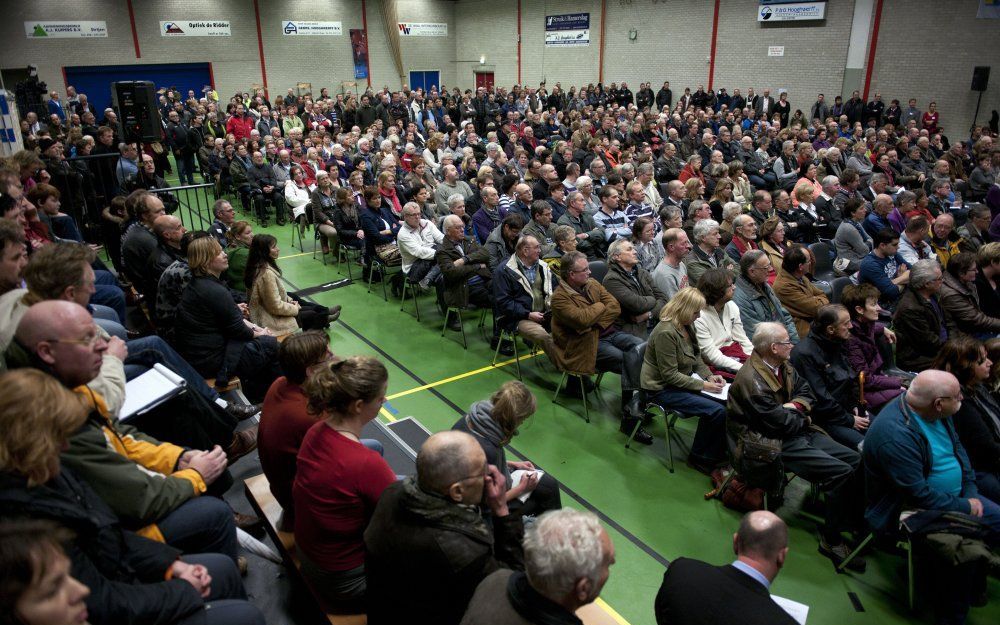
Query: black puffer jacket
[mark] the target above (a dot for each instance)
(823, 364)
(125, 572)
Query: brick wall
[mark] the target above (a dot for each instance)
(926, 48)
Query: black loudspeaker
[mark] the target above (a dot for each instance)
(138, 114)
(980, 77)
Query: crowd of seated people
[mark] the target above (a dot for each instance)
(708, 218)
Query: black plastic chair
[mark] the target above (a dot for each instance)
(838, 288)
(598, 269)
(823, 269)
(632, 371)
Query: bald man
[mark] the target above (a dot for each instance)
(429, 531)
(740, 592)
(168, 230)
(914, 460)
(153, 487)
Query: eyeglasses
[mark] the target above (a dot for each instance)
(958, 397)
(784, 343)
(482, 474)
(86, 342)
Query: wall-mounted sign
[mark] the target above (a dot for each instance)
(791, 12)
(776, 50)
(295, 27)
(195, 29)
(422, 29)
(570, 29)
(65, 30)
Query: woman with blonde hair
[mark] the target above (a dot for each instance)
(210, 331)
(674, 374)
(494, 422)
(37, 416)
(772, 240)
(339, 479)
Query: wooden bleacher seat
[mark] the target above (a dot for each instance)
(234, 383)
(258, 493)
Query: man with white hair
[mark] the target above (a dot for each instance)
(416, 239)
(770, 399)
(567, 560)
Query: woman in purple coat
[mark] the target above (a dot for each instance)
(862, 348)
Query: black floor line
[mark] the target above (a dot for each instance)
(632, 538)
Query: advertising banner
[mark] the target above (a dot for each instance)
(422, 29)
(359, 49)
(570, 29)
(195, 29)
(65, 30)
(295, 27)
(791, 12)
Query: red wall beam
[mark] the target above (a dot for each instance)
(715, 36)
(600, 60)
(871, 49)
(260, 47)
(518, 41)
(364, 27)
(135, 35)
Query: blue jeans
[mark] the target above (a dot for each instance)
(145, 352)
(200, 525)
(108, 293)
(64, 227)
(227, 602)
(709, 447)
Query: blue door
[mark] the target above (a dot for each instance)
(425, 79)
(95, 80)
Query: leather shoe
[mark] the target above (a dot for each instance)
(243, 443)
(334, 314)
(242, 412)
(641, 436)
(246, 522)
(506, 348)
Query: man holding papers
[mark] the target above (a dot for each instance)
(696, 593)
(770, 408)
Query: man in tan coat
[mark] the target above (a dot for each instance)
(583, 331)
(800, 297)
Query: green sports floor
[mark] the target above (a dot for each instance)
(653, 516)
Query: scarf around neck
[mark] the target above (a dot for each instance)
(443, 513)
(534, 607)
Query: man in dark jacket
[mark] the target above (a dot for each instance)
(633, 287)
(464, 267)
(740, 591)
(264, 189)
(522, 292)
(429, 531)
(922, 325)
(821, 359)
(177, 139)
(769, 401)
(664, 97)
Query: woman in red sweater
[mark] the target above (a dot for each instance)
(339, 480)
(285, 416)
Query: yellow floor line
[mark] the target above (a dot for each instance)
(294, 255)
(385, 413)
(461, 376)
(614, 614)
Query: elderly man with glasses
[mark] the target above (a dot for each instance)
(771, 404)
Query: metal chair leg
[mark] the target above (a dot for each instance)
(911, 583)
(583, 392)
(670, 421)
(559, 386)
(635, 430)
(864, 543)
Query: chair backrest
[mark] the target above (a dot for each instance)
(824, 261)
(598, 269)
(838, 288)
(632, 368)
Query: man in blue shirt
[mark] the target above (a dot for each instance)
(884, 268)
(915, 461)
(610, 217)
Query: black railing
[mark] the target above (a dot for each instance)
(191, 203)
(86, 185)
